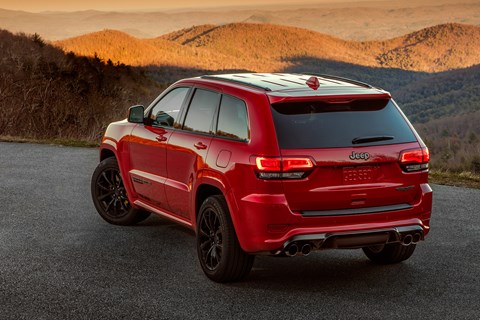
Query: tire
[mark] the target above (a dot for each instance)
(221, 257)
(389, 253)
(110, 197)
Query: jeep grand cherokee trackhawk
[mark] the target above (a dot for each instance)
(278, 164)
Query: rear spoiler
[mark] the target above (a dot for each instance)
(282, 97)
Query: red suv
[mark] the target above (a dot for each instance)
(278, 164)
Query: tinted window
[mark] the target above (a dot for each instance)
(323, 125)
(201, 111)
(232, 119)
(166, 111)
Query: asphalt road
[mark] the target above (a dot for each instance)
(60, 260)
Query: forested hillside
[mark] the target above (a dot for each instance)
(47, 94)
(454, 141)
(120, 47)
(438, 48)
(439, 95)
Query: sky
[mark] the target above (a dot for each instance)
(138, 5)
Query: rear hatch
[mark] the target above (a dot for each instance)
(355, 147)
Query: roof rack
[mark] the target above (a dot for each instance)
(237, 81)
(327, 76)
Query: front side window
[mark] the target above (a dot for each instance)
(201, 111)
(232, 119)
(165, 112)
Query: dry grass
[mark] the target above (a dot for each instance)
(62, 142)
(462, 179)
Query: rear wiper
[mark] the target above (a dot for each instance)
(368, 139)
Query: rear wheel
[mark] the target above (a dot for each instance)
(389, 253)
(110, 197)
(221, 257)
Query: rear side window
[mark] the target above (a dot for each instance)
(201, 111)
(232, 119)
(304, 125)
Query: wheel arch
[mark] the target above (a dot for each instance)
(204, 191)
(106, 152)
(211, 188)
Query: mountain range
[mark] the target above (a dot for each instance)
(365, 20)
(266, 47)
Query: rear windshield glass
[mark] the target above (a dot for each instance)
(317, 124)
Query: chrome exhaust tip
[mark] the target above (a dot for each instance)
(407, 240)
(416, 238)
(291, 250)
(306, 249)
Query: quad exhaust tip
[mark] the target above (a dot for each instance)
(411, 239)
(407, 240)
(298, 249)
(416, 238)
(306, 249)
(291, 250)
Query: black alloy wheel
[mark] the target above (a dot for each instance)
(211, 244)
(110, 196)
(111, 193)
(221, 257)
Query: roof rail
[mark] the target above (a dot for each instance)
(236, 81)
(327, 76)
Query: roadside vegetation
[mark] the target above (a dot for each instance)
(457, 179)
(48, 94)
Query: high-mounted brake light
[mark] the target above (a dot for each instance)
(313, 83)
(283, 167)
(415, 159)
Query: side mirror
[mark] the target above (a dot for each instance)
(136, 114)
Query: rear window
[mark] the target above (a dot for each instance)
(317, 124)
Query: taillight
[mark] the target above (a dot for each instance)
(283, 167)
(415, 159)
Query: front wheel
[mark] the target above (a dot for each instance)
(110, 197)
(389, 253)
(221, 257)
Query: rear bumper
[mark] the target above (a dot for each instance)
(265, 223)
(406, 235)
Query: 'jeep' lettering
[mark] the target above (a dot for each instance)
(359, 156)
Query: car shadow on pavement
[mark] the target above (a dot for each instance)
(331, 270)
(321, 271)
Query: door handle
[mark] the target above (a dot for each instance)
(161, 138)
(200, 146)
